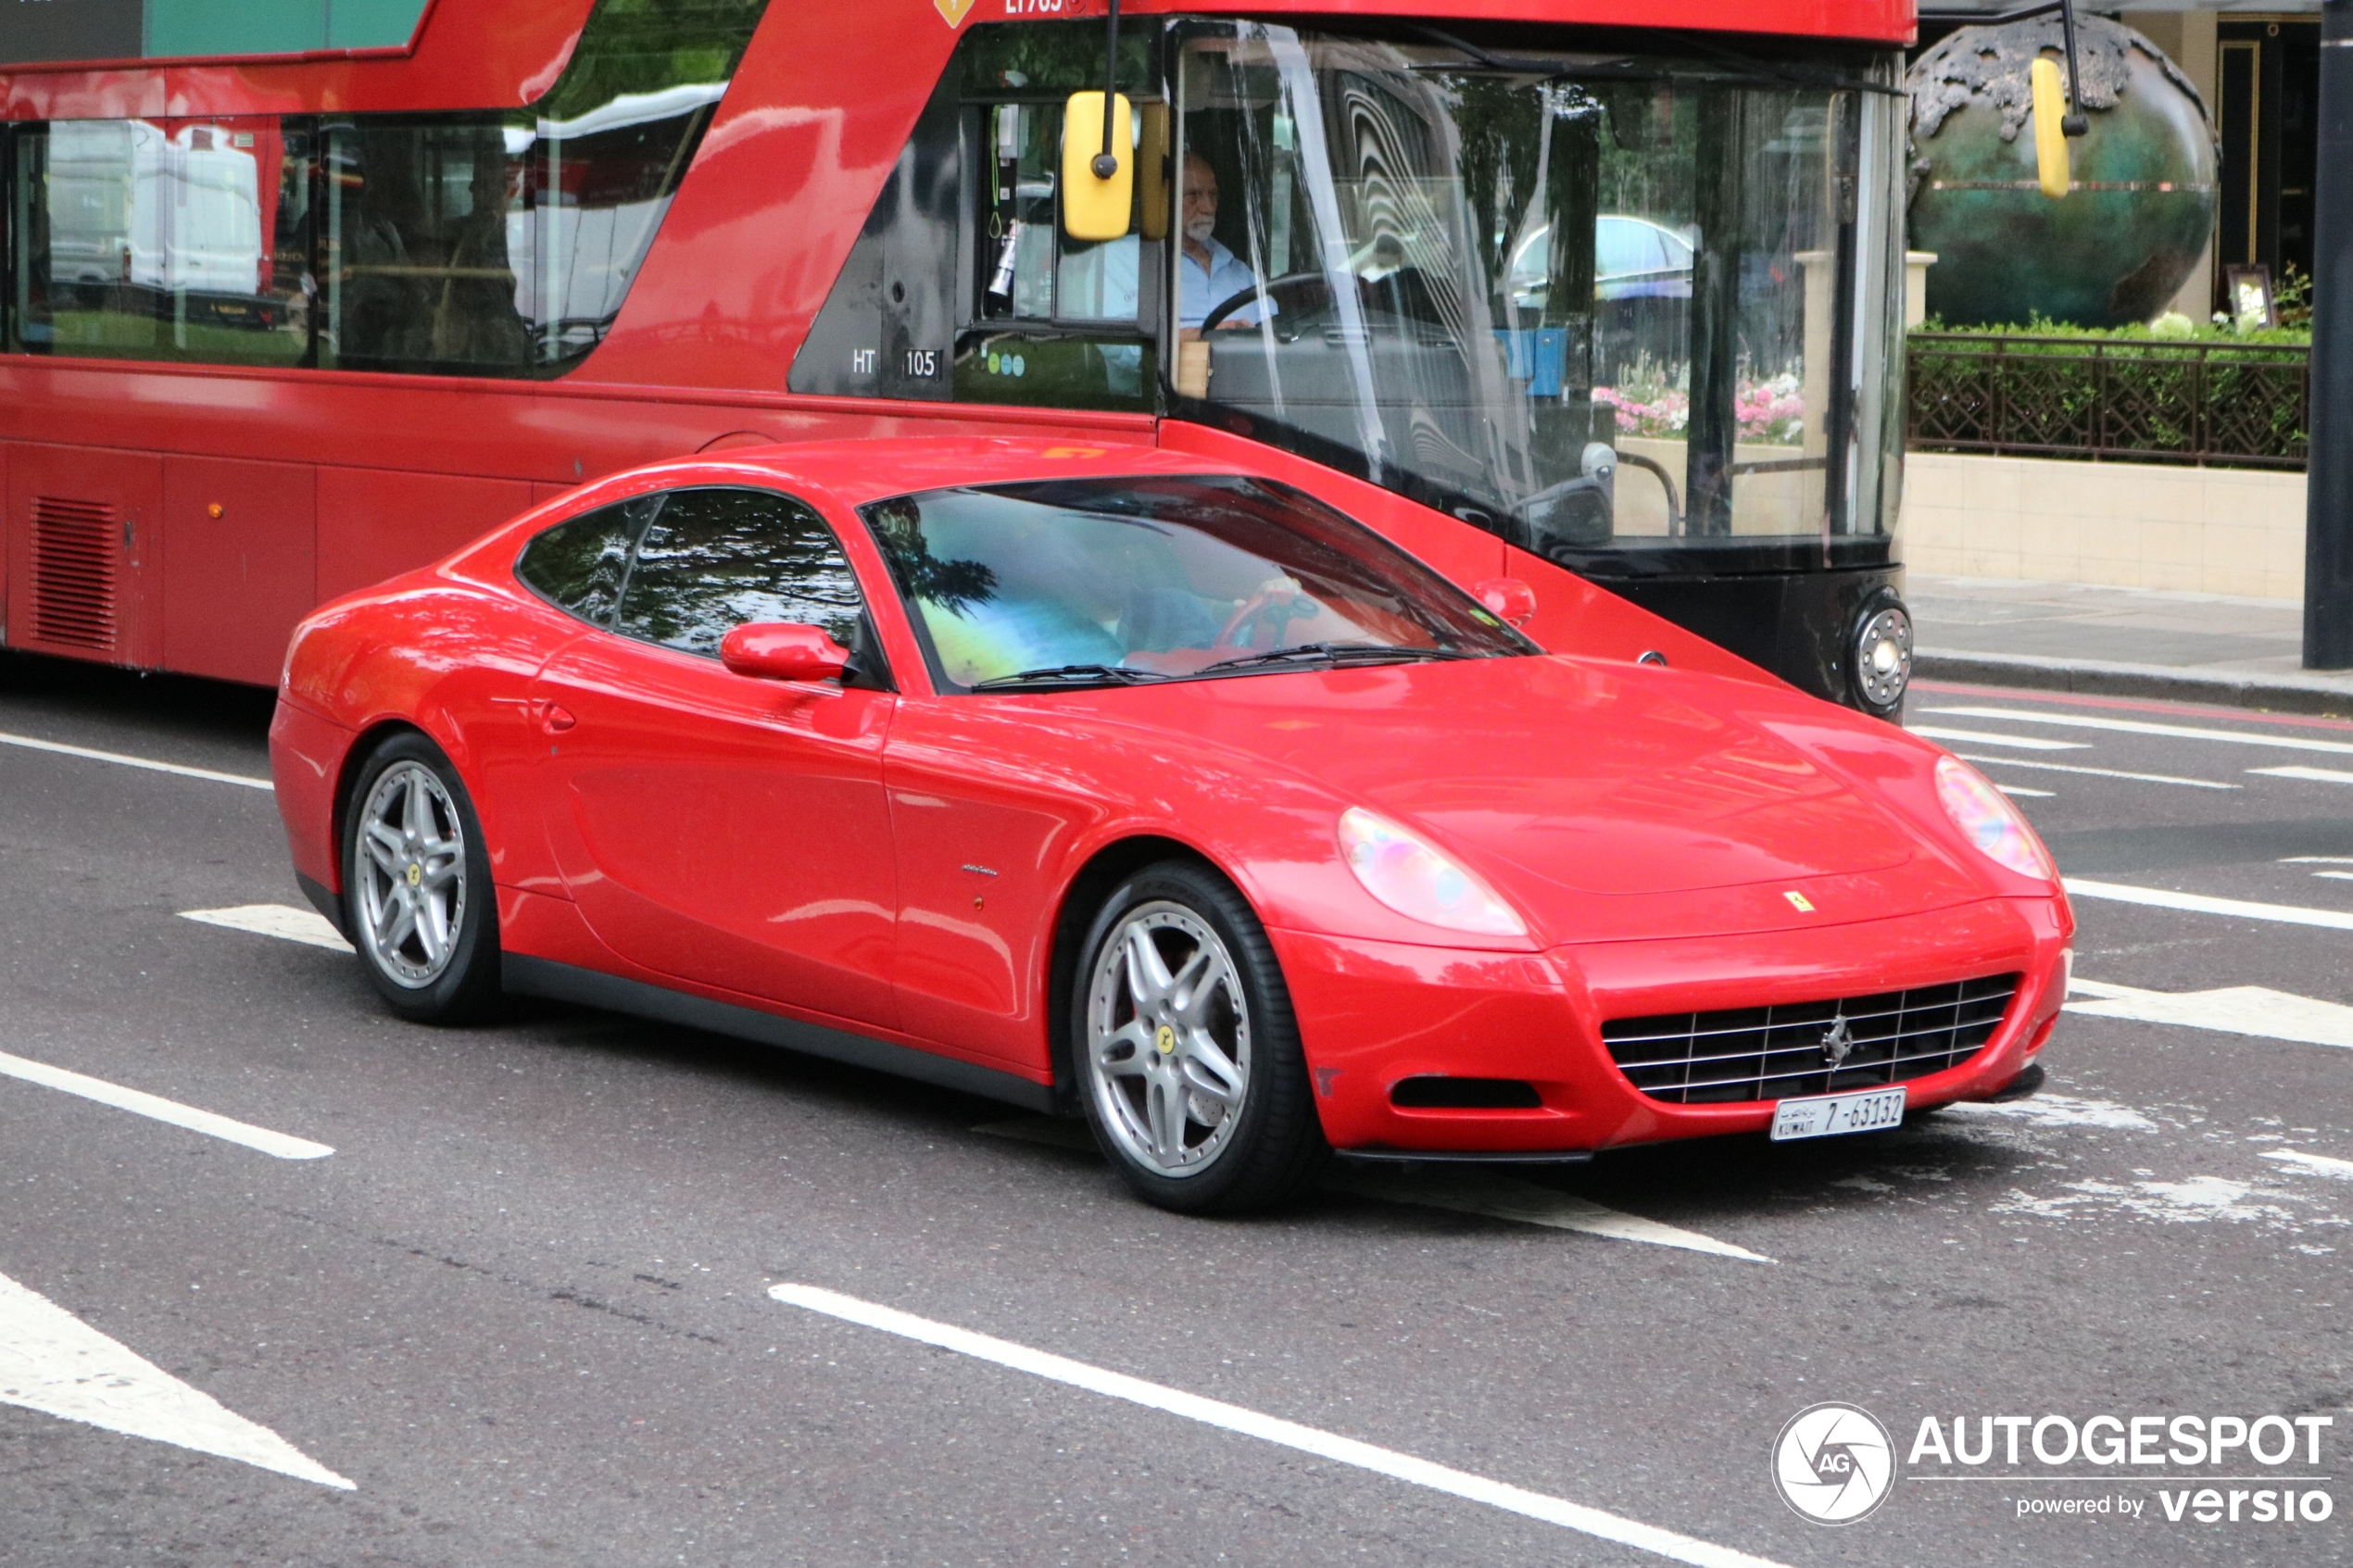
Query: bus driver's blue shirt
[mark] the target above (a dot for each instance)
(1203, 289)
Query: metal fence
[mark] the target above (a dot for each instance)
(2225, 404)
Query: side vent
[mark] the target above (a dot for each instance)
(73, 573)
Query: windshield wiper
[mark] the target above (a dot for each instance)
(1065, 675)
(1334, 654)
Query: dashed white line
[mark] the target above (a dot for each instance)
(141, 1103)
(2230, 1010)
(1270, 1429)
(2198, 903)
(2094, 772)
(2320, 1165)
(52, 1361)
(2025, 793)
(1456, 1189)
(120, 760)
(1981, 737)
(1505, 1197)
(2142, 727)
(2311, 775)
(281, 921)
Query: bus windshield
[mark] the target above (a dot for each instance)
(1605, 304)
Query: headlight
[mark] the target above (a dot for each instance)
(1992, 823)
(1419, 882)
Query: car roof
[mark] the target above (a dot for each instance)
(854, 472)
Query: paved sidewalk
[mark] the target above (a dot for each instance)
(2135, 642)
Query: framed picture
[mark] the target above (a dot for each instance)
(2251, 304)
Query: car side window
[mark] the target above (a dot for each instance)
(714, 560)
(579, 565)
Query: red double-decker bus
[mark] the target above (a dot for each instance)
(1607, 286)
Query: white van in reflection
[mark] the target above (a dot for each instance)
(131, 207)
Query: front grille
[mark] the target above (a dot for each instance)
(73, 579)
(1747, 1054)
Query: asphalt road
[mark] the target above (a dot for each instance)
(523, 1308)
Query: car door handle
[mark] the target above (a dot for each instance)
(556, 719)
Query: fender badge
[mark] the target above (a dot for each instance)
(1799, 902)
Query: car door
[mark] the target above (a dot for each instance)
(718, 828)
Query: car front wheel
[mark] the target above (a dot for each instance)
(418, 902)
(1188, 1050)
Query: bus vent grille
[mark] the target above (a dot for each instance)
(73, 573)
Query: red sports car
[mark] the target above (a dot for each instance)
(1110, 779)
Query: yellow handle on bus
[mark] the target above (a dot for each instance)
(2050, 137)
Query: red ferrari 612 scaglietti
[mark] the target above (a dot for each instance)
(1112, 779)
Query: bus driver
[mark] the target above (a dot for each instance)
(1208, 273)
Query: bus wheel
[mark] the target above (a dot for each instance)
(1186, 1052)
(417, 896)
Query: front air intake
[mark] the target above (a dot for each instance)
(1434, 1093)
(73, 573)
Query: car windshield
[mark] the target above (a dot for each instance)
(1118, 581)
(1600, 303)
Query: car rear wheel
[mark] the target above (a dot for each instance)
(1187, 1049)
(418, 902)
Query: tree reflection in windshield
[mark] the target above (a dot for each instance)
(1593, 302)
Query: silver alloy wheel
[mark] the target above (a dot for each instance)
(1167, 1039)
(411, 869)
(1883, 657)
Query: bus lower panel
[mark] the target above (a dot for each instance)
(1799, 625)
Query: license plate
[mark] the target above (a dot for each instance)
(1828, 1114)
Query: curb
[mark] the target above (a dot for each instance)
(2332, 698)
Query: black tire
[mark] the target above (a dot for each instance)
(1251, 1158)
(460, 983)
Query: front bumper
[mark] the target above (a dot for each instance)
(1374, 1013)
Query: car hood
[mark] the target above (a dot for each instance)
(1584, 777)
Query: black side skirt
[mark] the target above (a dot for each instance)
(569, 983)
(324, 902)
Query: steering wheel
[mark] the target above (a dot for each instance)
(1299, 299)
(1277, 603)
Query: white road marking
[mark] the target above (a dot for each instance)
(2312, 776)
(275, 920)
(2198, 903)
(144, 1104)
(1982, 737)
(52, 1361)
(2142, 727)
(2317, 860)
(2340, 876)
(2229, 1009)
(2032, 794)
(2320, 1165)
(61, 749)
(1267, 1428)
(2095, 772)
(2059, 1111)
(1459, 1190)
(1505, 1197)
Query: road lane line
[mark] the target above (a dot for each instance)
(1436, 1186)
(1506, 1197)
(1267, 1428)
(142, 1104)
(1983, 738)
(2339, 876)
(2198, 903)
(2230, 1010)
(281, 921)
(52, 1361)
(2321, 1164)
(2094, 772)
(61, 749)
(2311, 775)
(2032, 794)
(2141, 727)
(2316, 860)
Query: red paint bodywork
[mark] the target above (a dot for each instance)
(399, 468)
(810, 850)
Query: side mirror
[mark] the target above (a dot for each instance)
(1508, 598)
(775, 650)
(1099, 186)
(2050, 128)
